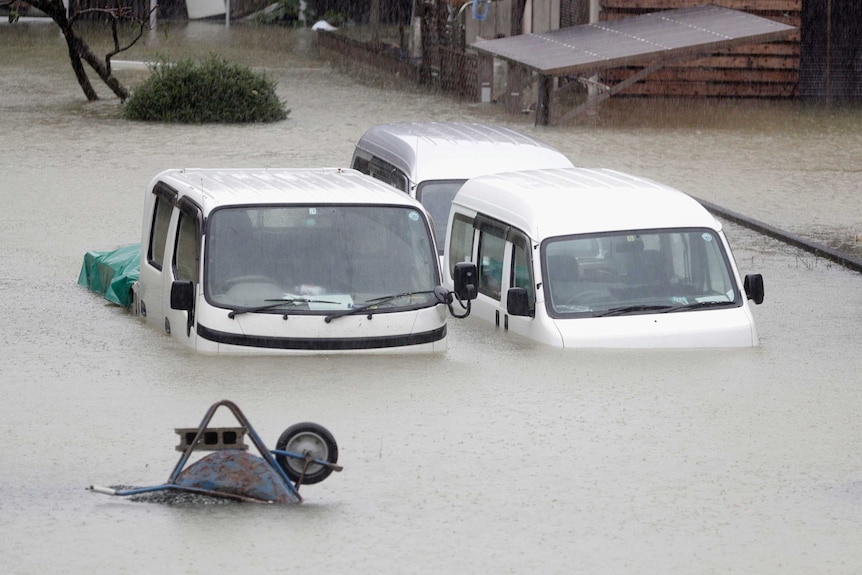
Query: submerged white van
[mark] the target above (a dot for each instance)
(595, 258)
(289, 261)
(431, 160)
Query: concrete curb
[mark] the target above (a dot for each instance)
(815, 248)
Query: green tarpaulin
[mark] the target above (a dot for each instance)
(112, 273)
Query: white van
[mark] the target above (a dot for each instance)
(289, 260)
(597, 258)
(431, 160)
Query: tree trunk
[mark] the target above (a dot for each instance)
(102, 70)
(80, 52)
(72, 42)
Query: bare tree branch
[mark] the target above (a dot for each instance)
(79, 50)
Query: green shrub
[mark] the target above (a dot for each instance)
(210, 91)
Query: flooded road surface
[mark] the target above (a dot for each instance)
(499, 456)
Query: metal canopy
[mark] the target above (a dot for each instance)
(649, 40)
(639, 40)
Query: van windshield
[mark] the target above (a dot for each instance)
(633, 272)
(437, 196)
(316, 259)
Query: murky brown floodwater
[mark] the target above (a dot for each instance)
(497, 457)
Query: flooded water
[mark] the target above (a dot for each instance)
(499, 456)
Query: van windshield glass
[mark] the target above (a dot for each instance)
(318, 258)
(437, 198)
(636, 272)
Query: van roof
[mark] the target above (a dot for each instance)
(548, 203)
(211, 188)
(455, 150)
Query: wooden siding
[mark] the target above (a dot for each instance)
(753, 71)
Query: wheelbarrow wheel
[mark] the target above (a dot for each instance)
(307, 438)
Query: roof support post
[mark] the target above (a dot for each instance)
(543, 100)
(374, 19)
(485, 78)
(594, 100)
(517, 81)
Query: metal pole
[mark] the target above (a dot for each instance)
(828, 50)
(592, 89)
(374, 20)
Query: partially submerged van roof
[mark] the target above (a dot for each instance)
(455, 150)
(547, 203)
(215, 187)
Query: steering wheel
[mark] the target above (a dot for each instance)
(591, 296)
(249, 279)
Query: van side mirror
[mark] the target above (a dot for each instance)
(465, 274)
(753, 286)
(182, 295)
(517, 302)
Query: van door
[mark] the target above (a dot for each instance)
(460, 243)
(185, 260)
(490, 261)
(504, 259)
(157, 219)
(520, 273)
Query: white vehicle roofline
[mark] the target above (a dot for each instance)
(211, 188)
(454, 150)
(589, 200)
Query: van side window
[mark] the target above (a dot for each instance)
(159, 232)
(361, 164)
(400, 181)
(522, 270)
(491, 250)
(386, 172)
(460, 242)
(187, 250)
(437, 196)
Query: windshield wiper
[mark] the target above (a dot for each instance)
(368, 305)
(278, 303)
(632, 309)
(700, 305)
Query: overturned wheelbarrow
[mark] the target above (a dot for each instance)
(306, 453)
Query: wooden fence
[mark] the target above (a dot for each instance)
(384, 56)
(770, 70)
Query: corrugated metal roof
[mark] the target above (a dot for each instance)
(640, 40)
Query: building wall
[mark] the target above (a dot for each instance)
(768, 70)
(538, 16)
(831, 59)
